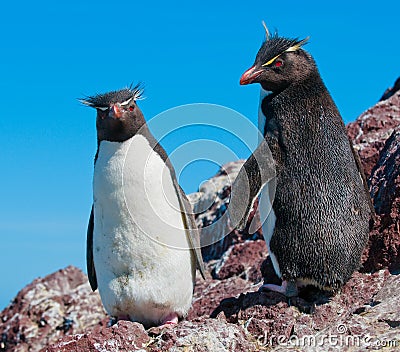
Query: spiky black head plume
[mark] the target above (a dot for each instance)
(118, 116)
(99, 101)
(275, 46)
(279, 63)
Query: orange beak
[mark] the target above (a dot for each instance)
(115, 112)
(250, 75)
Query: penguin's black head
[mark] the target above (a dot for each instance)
(118, 116)
(279, 63)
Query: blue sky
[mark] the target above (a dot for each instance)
(56, 52)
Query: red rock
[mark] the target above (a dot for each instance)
(210, 205)
(49, 308)
(208, 294)
(243, 259)
(272, 312)
(124, 336)
(203, 335)
(383, 249)
(372, 128)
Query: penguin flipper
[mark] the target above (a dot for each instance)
(89, 253)
(258, 170)
(192, 229)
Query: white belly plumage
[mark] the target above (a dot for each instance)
(268, 218)
(143, 266)
(267, 214)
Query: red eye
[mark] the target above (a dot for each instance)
(278, 63)
(131, 108)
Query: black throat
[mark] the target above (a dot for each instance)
(298, 107)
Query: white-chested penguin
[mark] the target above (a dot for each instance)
(142, 241)
(319, 222)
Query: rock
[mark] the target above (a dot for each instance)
(272, 321)
(198, 335)
(386, 303)
(203, 335)
(124, 336)
(237, 271)
(49, 308)
(384, 177)
(231, 315)
(210, 204)
(383, 249)
(209, 294)
(372, 128)
(242, 259)
(390, 91)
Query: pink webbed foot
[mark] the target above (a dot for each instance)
(169, 321)
(288, 288)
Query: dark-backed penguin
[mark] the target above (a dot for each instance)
(319, 222)
(142, 240)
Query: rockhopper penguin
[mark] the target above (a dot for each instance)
(142, 240)
(319, 222)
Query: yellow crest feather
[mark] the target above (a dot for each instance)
(297, 46)
(271, 61)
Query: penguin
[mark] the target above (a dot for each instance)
(318, 224)
(143, 245)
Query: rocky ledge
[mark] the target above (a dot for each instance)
(60, 313)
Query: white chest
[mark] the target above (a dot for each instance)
(134, 195)
(137, 228)
(267, 214)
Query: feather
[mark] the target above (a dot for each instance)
(123, 96)
(267, 35)
(275, 46)
(297, 46)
